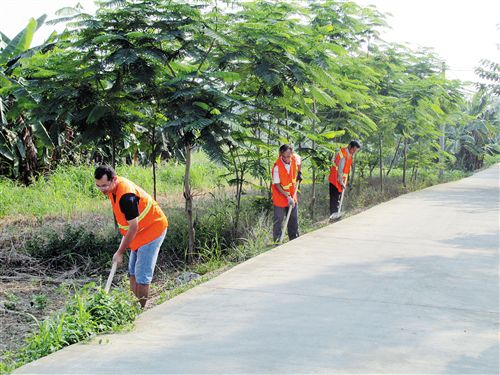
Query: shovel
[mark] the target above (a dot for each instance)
(110, 277)
(288, 215)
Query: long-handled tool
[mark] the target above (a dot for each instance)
(337, 214)
(110, 277)
(288, 215)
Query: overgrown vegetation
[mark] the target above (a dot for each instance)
(70, 190)
(89, 311)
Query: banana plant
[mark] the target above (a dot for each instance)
(21, 137)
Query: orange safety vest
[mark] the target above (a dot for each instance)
(333, 178)
(287, 181)
(152, 220)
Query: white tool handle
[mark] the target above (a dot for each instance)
(288, 215)
(110, 277)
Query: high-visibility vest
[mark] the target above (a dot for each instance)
(152, 221)
(288, 182)
(333, 178)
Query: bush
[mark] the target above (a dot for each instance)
(215, 232)
(74, 246)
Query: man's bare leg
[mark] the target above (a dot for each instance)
(133, 285)
(142, 293)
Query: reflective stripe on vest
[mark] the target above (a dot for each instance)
(141, 216)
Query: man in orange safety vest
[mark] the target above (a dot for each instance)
(339, 172)
(142, 224)
(285, 174)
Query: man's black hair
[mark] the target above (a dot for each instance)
(355, 143)
(102, 170)
(285, 148)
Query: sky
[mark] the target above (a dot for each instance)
(461, 32)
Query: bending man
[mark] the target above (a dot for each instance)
(142, 224)
(339, 172)
(284, 185)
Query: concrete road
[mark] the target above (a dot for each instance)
(409, 286)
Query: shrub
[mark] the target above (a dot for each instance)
(74, 246)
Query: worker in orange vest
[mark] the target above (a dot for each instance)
(285, 173)
(339, 172)
(142, 224)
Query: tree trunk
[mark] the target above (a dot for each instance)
(154, 177)
(257, 135)
(353, 174)
(113, 151)
(381, 165)
(153, 157)
(189, 202)
(269, 161)
(239, 190)
(441, 144)
(394, 157)
(313, 188)
(404, 163)
(238, 176)
(30, 162)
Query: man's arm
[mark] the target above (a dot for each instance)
(291, 202)
(341, 172)
(129, 205)
(277, 184)
(298, 160)
(133, 226)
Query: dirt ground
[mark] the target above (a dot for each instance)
(28, 291)
(22, 303)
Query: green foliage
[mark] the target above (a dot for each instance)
(21, 138)
(39, 301)
(216, 235)
(11, 301)
(204, 175)
(73, 247)
(89, 312)
(476, 134)
(489, 71)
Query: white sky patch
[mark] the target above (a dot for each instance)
(460, 32)
(15, 15)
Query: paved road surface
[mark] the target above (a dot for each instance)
(409, 286)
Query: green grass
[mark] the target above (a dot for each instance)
(89, 312)
(70, 190)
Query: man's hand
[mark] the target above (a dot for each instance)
(299, 176)
(118, 258)
(291, 202)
